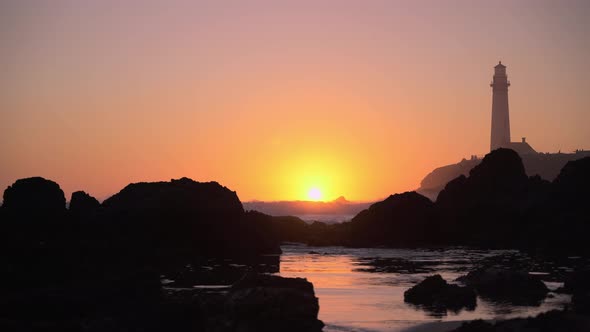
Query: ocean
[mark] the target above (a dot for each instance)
(356, 295)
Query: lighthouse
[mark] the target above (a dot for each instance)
(500, 114)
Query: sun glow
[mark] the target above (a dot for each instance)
(314, 194)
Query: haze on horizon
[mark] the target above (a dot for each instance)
(271, 99)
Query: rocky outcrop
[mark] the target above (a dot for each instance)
(500, 174)
(400, 220)
(184, 195)
(34, 195)
(477, 210)
(185, 217)
(83, 203)
(546, 165)
(65, 273)
(516, 287)
(435, 292)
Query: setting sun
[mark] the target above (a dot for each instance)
(314, 194)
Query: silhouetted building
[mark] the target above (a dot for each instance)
(500, 137)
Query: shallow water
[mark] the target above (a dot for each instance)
(355, 295)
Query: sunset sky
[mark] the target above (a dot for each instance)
(274, 98)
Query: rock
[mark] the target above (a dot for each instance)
(83, 203)
(188, 218)
(436, 180)
(574, 176)
(186, 195)
(261, 302)
(400, 220)
(436, 292)
(34, 195)
(568, 206)
(480, 209)
(517, 287)
(500, 169)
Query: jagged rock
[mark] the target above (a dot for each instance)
(517, 287)
(34, 194)
(434, 291)
(83, 203)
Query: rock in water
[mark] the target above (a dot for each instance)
(434, 291)
(517, 287)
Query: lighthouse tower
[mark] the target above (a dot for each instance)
(500, 115)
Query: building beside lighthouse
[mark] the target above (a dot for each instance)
(500, 134)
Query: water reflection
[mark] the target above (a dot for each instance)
(362, 289)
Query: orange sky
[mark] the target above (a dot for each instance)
(273, 98)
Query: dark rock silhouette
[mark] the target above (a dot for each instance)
(516, 287)
(66, 273)
(255, 303)
(83, 203)
(546, 165)
(199, 198)
(435, 292)
(273, 304)
(34, 195)
(436, 180)
(291, 229)
(574, 176)
(184, 216)
(479, 209)
(400, 220)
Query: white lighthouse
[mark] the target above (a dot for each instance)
(500, 114)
